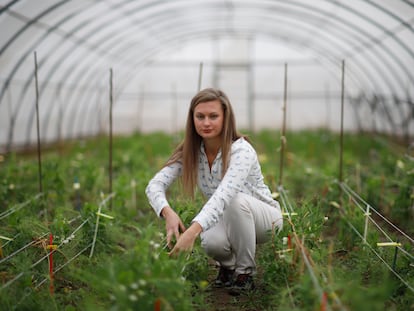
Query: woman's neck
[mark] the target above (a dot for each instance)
(211, 149)
(212, 146)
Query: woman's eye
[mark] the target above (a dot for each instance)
(214, 116)
(199, 117)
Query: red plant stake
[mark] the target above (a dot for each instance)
(324, 301)
(289, 242)
(157, 305)
(51, 249)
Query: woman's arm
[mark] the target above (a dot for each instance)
(159, 184)
(155, 192)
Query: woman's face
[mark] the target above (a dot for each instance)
(208, 119)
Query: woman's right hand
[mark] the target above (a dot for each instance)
(173, 224)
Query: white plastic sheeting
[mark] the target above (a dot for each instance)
(155, 49)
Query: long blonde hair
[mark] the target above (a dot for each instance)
(187, 152)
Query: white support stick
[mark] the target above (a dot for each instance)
(367, 214)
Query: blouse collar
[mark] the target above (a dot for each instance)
(203, 151)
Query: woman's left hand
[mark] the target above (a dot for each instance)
(186, 240)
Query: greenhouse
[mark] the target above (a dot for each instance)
(95, 97)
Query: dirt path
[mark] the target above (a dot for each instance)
(218, 299)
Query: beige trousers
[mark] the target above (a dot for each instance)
(246, 222)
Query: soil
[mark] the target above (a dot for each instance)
(219, 299)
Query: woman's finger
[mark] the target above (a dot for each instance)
(173, 252)
(182, 227)
(169, 238)
(177, 234)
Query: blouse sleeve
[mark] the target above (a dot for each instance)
(243, 156)
(159, 184)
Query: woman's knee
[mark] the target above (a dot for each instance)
(217, 248)
(214, 242)
(239, 205)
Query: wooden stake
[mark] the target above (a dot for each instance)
(39, 155)
(283, 137)
(110, 133)
(341, 146)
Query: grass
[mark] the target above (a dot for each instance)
(130, 268)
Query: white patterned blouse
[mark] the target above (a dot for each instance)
(243, 175)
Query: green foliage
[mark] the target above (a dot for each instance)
(130, 268)
(143, 275)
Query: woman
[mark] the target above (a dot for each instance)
(239, 211)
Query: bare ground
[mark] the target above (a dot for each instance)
(218, 299)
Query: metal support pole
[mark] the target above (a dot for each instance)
(140, 110)
(200, 75)
(283, 137)
(60, 115)
(12, 119)
(328, 106)
(174, 106)
(250, 99)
